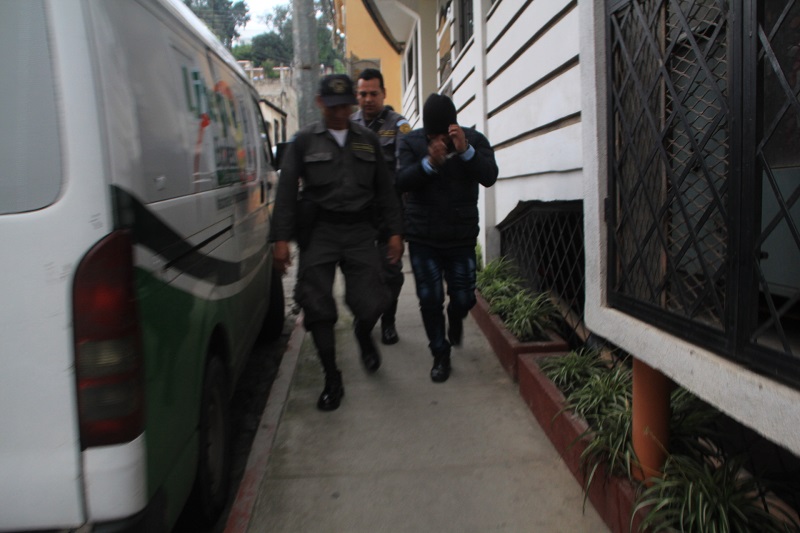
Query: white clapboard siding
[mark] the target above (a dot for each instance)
(546, 105)
(554, 49)
(545, 188)
(535, 16)
(471, 115)
(465, 63)
(557, 151)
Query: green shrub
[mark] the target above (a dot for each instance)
(499, 270)
(693, 426)
(702, 490)
(572, 370)
(610, 444)
(705, 496)
(527, 315)
(497, 293)
(601, 392)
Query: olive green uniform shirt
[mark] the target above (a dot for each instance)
(388, 125)
(349, 179)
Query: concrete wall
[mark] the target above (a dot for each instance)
(280, 93)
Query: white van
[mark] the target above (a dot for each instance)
(135, 195)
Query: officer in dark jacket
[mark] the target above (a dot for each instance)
(440, 168)
(389, 125)
(344, 180)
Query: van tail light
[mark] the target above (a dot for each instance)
(108, 347)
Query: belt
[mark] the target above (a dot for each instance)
(345, 217)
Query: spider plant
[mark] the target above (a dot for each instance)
(500, 268)
(497, 292)
(601, 391)
(604, 400)
(504, 301)
(693, 426)
(528, 315)
(703, 496)
(571, 371)
(609, 443)
(701, 490)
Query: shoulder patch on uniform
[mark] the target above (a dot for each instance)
(404, 127)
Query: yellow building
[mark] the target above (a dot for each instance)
(368, 44)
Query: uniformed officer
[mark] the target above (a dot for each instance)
(388, 124)
(345, 180)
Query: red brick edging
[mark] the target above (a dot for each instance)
(612, 497)
(506, 347)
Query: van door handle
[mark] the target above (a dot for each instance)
(263, 194)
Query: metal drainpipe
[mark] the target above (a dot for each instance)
(651, 416)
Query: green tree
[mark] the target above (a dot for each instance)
(243, 51)
(275, 47)
(224, 17)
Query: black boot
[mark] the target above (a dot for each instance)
(388, 330)
(369, 352)
(333, 392)
(441, 368)
(388, 333)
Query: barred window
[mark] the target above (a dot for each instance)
(465, 22)
(704, 174)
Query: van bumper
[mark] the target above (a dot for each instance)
(115, 480)
(151, 519)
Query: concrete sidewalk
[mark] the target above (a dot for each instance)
(404, 454)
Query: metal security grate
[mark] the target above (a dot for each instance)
(776, 257)
(704, 173)
(670, 166)
(545, 239)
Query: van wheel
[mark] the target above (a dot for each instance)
(276, 311)
(212, 482)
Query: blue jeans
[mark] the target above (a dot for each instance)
(434, 267)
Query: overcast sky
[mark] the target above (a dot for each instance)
(258, 8)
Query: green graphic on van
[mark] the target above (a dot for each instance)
(154, 234)
(218, 107)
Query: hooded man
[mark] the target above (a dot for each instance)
(440, 168)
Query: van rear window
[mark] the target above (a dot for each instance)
(30, 156)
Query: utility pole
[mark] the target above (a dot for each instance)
(306, 60)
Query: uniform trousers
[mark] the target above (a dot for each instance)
(352, 247)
